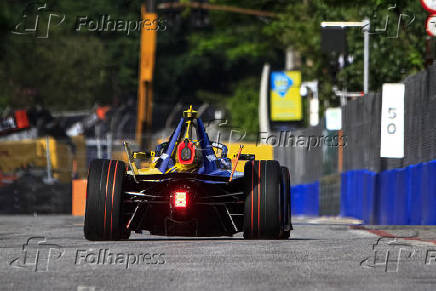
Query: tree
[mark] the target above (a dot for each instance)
(220, 62)
(392, 59)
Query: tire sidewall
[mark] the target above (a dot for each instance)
(104, 197)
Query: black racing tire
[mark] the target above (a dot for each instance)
(262, 211)
(285, 202)
(103, 212)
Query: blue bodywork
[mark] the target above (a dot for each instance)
(211, 164)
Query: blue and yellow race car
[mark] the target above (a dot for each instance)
(187, 189)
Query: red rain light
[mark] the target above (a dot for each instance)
(180, 199)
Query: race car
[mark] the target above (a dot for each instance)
(189, 188)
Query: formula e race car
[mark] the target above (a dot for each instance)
(187, 190)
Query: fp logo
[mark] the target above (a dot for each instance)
(36, 254)
(37, 21)
(388, 253)
(388, 20)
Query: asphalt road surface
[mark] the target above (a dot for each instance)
(50, 253)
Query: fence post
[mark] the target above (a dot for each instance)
(49, 179)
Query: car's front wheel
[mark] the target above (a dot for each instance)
(104, 196)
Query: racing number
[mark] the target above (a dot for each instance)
(392, 128)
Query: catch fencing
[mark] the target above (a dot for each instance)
(361, 124)
(304, 163)
(361, 130)
(361, 120)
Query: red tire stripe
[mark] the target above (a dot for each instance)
(252, 194)
(105, 197)
(258, 202)
(113, 190)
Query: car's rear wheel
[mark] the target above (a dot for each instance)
(103, 213)
(263, 217)
(285, 202)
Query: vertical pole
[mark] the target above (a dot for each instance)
(263, 101)
(429, 54)
(148, 120)
(366, 29)
(145, 79)
(289, 59)
(140, 111)
(99, 155)
(49, 179)
(97, 142)
(340, 152)
(109, 146)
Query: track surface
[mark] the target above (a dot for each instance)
(321, 254)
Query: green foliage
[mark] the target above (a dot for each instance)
(392, 58)
(244, 105)
(220, 63)
(69, 69)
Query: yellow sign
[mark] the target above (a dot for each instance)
(285, 98)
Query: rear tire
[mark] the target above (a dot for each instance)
(263, 217)
(285, 202)
(103, 213)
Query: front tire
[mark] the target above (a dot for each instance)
(103, 213)
(263, 214)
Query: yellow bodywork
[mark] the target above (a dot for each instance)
(262, 152)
